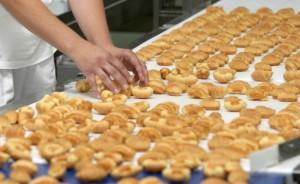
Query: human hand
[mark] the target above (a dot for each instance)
(131, 62)
(95, 61)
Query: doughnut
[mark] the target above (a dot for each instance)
(49, 150)
(108, 164)
(210, 104)
(43, 180)
(234, 104)
(82, 86)
(18, 148)
(142, 92)
(90, 173)
(138, 143)
(265, 112)
(125, 170)
(129, 111)
(103, 108)
(158, 86)
(177, 174)
(224, 75)
(238, 87)
(118, 99)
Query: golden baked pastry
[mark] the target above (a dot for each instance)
(217, 91)
(150, 180)
(291, 75)
(287, 97)
(173, 89)
(210, 104)
(188, 79)
(212, 180)
(184, 159)
(238, 176)
(164, 60)
(18, 148)
(224, 75)
(271, 60)
(193, 109)
(228, 49)
(266, 112)
(142, 92)
(198, 91)
(153, 161)
(82, 86)
(142, 106)
(234, 104)
(257, 93)
(138, 143)
(103, 108)
(57, 170)
(238, 87)
(262, 66)
(238, 65)
(164, 72)
(177, 174)
(270, 140)
(213, 169)
(242, 42)
(202, 72)
(262, 75)
(26, 166)
(89, 172)
(126, 170)
(129, 180)
(116, 157)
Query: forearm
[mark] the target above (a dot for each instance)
(90, 15)
(34, 15)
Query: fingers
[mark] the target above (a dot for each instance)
(120, 66)
(116, 75)
(107, 80)
(138, 66)
(92, 81)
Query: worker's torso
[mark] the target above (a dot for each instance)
(18, 46)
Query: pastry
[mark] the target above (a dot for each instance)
(291, 75)
(262, 66)
(150, 180)
(193, 109)
(212, 180)
(287, 97)
(90, 173)
(238, 65)
(228, 49)
(116, 157)
(242, 42)
(138, 143)
(202, 72)
(224, 75)
(212, 169)
(183, 66)
(82, 86)
(261, 75)
(257, 94)
(234, 104)
(18, 148)
(126, 152)
(129, 180)
(270, 140)
(198, 91)
(188, 79)
(57, 170)
(271, 60)
(265, 112)
(142, 106)
(237, 176)
(153, 161)
(103, 108)
(217, 91)
(186, 160)
(125, 170)
(210, 104)
(164, 60)
(238, 87)
(164, 72)
(142, 92)
(177, 174)
(173, 89)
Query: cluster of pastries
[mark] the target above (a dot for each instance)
(60, 128)
(132, 137)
